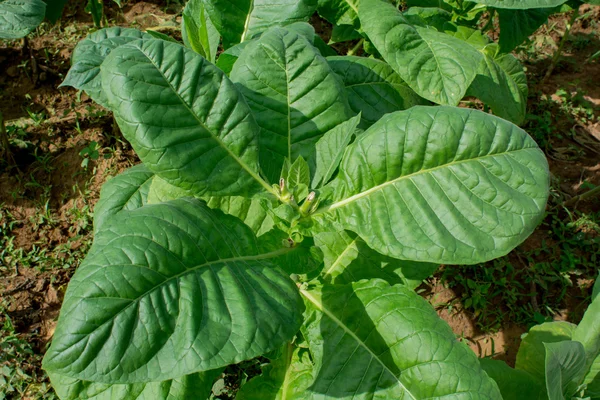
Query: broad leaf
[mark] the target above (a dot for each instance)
(520, 4)
(89, 55)
(54, 9)
(330, 149)
(441, 184)
(596, 289)
(196, 386)
(588, 333)
(517, 25)
(514, 384)
(126, 191)
(230, 56)
(349, 259)
(531, 355)
(373, 88)
(428, 16)
(168, 290)
(565, 367)
(198, 32)
(385, 342)
(340, 12)
(436, 66)
(343, 33)
(293, 94)
(184, 118)
(20, 17)
(240, 20)
(287, 377)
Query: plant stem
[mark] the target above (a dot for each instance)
(356, 47)
(563, 40)
(590, 193)
(5, 147)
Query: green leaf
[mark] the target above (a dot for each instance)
(596, 289)
(349, 259)
(198, 32)
(373, 88)
(161, 36)
(298, 174)
(428, 16)
(240, 20)
(330, 149)
(168, 290)
(517, 25)
(54, 9)
(514, 384)
(20, 17)
(89, 55)
(184, 118)
(196, 386)
(287, 377)
(340, 12)
(126, 191)
(435, 65)
(372, 340)
(520, 4)
(565, 366)
(293, 94)
(531, 355)
(162, 191)
(588, 334)
(343, 33)
(228, 58)
(441, 184)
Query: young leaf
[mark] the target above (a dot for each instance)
(588, 333)
(330, 149)
(20, 17)
(436, 66)
(240, 20)
(531, 355)
(514, 384)
(293, 94)
(184, 118)
(196, 385)
(298, 174)
(441, 184)
(287, 377)
(89, 55)
(228, 58)
(126, 191)
(565, 367)
(517, 25)
(349, 260)
(168, 290)
(373, 88)
(520, 4)
(198, 32)
(386, 342)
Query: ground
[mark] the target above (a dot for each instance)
(64, 147)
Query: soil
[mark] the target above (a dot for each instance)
(47, 174)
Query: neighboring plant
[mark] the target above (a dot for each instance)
(18, 18)
(556, 360)
(265, 221)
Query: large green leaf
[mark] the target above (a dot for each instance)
(588, 333)
(531, 355)
(435, 65)
(184, 118)
(441, 184)
(520, 4)
(373, 340)
(287, 377)
(198, 32)
(20, 17)
(89, 55)
(54, 9)
(565, 367)
(514, 384)
(239, 20)
(293, 94)
(517, 25)
(168, 290)
(196, 386)
(373, 88)
(340, 12)
(349, 259)
(126, 191)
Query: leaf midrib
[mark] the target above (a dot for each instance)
(361, 343)
(367, 192)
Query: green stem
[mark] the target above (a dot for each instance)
(563, 40)
(490, 24)
(356, 47)
(590, 193)
(5, 147)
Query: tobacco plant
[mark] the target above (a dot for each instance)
(18, 18)
(264, 221)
